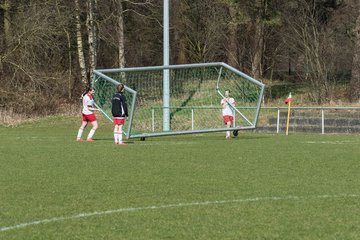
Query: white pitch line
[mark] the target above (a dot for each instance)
(331, 142)
(178, 205)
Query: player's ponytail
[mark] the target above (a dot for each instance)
(82, 95)
(88, 89)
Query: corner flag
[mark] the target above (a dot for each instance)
(289, 99)
(288, 102)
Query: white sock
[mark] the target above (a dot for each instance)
(120, 136)
(80, 133)
(116, 137)
(91, 133)
(228, 133)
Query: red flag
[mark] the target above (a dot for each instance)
(289, 99)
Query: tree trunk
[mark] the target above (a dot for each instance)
(355, 73)
(180, 19)
(80, 46)
(7, 21)
(5, 42)
(68, 38)
(256, 68)
(121, 42)
(91, 27)
(182, 59)
(70, 81)
(232, 48)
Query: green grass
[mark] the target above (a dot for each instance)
(255, 186)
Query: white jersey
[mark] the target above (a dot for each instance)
(88, 101)
(227, 109)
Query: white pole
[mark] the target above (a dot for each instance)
(234, 122)
(153, 120)
(166, 80)
(322, 121)
(278, 121)
(192, 119)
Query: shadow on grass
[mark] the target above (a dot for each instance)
(202, 138)
(109, 139)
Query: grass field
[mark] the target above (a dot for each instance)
(255, 186)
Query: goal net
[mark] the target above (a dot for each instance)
(194, 98)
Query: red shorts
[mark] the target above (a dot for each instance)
(89, 117)
(119, 121)
(228, 118)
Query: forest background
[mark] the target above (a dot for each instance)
(49, 48)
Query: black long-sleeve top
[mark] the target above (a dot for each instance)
(119, 106)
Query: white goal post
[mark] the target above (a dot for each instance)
(195, 93)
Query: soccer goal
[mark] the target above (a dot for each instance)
(194, 98)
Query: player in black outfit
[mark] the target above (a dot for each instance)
(119, 112)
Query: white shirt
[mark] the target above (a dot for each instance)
(88, 101)
(227, 110)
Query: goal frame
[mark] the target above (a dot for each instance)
(101, 73)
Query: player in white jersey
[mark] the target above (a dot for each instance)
(88, 115)
(227, 104)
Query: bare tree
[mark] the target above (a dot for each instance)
(258, 48)
(92, 35)
(179, 22)
(308, 37)
(5, 42)
(80, 44)
(6, 6)
(264, 19)
(67, 40)
(119, 39)
(355, 74)
(67, 33)
(32, 58)
(204, 34)
(237, 20)
(120, 32)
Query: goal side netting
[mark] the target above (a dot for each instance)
(194, 98)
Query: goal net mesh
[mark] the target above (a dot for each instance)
(195, 95)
